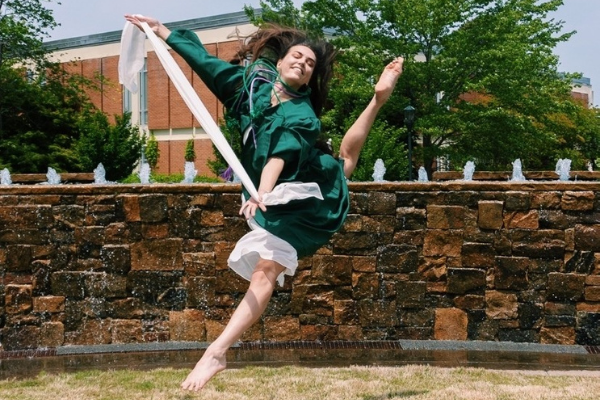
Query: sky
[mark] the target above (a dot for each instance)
(86, 17)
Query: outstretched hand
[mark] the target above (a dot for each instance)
(159, 29)
(387, 80)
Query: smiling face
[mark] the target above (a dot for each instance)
(297, 66)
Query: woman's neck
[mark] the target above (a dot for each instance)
(279, 94)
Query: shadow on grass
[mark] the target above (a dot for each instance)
(396, 395)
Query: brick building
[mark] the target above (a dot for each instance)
(157, 107)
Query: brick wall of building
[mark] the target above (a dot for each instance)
(166, 109)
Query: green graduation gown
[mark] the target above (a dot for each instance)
(288, 130)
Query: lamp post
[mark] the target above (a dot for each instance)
(409, 122)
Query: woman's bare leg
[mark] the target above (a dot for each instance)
(248, 311)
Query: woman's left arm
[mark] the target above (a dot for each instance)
(268, 179)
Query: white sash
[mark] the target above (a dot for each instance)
(131, 62)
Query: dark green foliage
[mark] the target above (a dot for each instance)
(117, 147)
(190, 153)
(151, 151)
(231, 130)
(499, 53)
(39, 117)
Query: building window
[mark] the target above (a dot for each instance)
(144, 94)
(137, 105)
(127, 106)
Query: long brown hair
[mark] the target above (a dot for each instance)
(273, 42)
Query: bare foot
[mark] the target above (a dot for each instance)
(209, 365)
(387, 80)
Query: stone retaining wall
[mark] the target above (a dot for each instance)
(102, 264)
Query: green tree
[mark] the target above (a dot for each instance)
(152, 151)
(190, 153)
(481, 74)
(41, 105)
(40, 115)
(23, 25)
(117, 147)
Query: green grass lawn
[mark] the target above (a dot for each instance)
(301, 383)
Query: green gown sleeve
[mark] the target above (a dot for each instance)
(223, 79)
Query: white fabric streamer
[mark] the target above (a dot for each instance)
(131, 59)
(131, 62)
(190, 97)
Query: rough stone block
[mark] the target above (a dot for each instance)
(587, 237)
(201, 291)
(282, 328)
(501, 305)
(490, 215)
(445, 217)
(153, 207)
(478, 255)
(432, 269)
(517, 201)
(397, 258)
(377, 313)
(423, 318)
(522, 220)
(344, 312)
(126, 331)
(543, 244)
(381, 203)
(131, 207)
(52, 334)
(49, 304)
(592, 293)
(545, 200)
(411, 218)
(199, 264)
(116, 258)
(155, 231)
(20, 337)
(68, 284)
(588, 329)
(442, 243)
(463, 280)
(563, 335)
(450, 324)
(103, 285)
(511, 273)
(157, 255)
(18, 299)
(569, 287)
(18, 258)
(577, 201)
(581, 262)
(411, 294)
(90, 332)
(334, 270)
(365, 285)
(364, 264)
(469, 302)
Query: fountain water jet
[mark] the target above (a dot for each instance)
(144, 173)
(468, 171)
(5, 177)
(422, 175)
(100, 175)
(189, 172)
(52, 176)
(563, 168)
(517, 175)
(378, 170)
